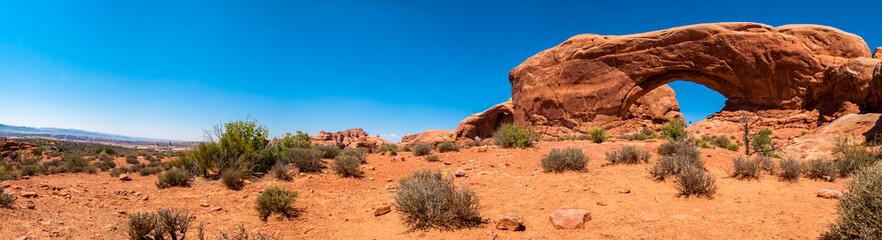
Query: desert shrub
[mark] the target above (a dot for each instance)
(820, 169)
(328, 151)
(694, 181)
(174, 178)
(852, 156)
(104, 157)
(358, 153)
(674, 130)
(475, 143)
(671, 148)
(132, 159)
(239, 234)
(233, 178)
(391, 148)
(732, 147)
(762, 142)
(186, 162)
(675, 158)
(699, 142)
(31, 170)
(447, 147)
(52, 163)
(306, 160)
(430, 200)
(207, 156)
(149, 158)
(514, 136)
(558, 160)
(598, 135)
(138, 167)
(164, 224)
(150, 171)
(635, 136)
(718, 140)
(766, 163)
(790, 170)
(275, 200)
(105, 150)
(118, 171)
(422, 149)
(298, 140)
(628, 155)
(263, 160)
(5, 174)
(280, 171)
(746, 168)
(432, 158)
(347, 166)
(860, 211)
(77, 164)
(6, 200)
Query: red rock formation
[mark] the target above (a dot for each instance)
(878, 53)
(8, 147)
(484, 123)
(352, 138)
(592, 80)
(431, 137)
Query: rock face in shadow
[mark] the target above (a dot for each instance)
(351, 138)
(483, 124)
(592, 80)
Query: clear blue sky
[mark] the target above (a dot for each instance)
(166, 69)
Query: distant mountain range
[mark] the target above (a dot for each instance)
(87, 136)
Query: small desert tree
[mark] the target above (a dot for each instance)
(755, 142)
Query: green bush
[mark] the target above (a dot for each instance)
(514, 136)
(429, 200)
(299, 140)
(186, 162)
(358, 153)
(447, 147)
(558, 160)
(5, 174)
(475, 143)
(164, 224)
(628, 155)
(306, 160)
(693, 181)
(31, 170)
(762, 142)
(598, 135)
(719, 141)
(328, 151)
(132, 159)
(275, 200)
(820, 169)
(150, 171)
(703, 144)
(280, 171)
(746, 168)
(347, 166)
(851, 156)
(635, 136)
(233, 178)
(105, 165)
(391, 148)
(432, 158)
(732, 147)
(790, 170)
(104, 157)
(422, 149)
(118, 171)
(860, 211)
(105, 150)
(174, 178)
(671, 148)
(674, 130)
(76, 164)
(6, 200)
(263, 160)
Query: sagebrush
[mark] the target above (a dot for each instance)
(429, 200)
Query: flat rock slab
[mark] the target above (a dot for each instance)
(829, 194)
(569, 218)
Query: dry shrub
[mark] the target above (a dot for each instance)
(166, 223)
(447, 147)
(174, 178)
(347, 166)
(6, 200)
(790, 170)
(275, 200)
(820, 169)
(558, 160)
(433, 158)
(328, 151)
(860, 211)
(746, 168)
(280, 171)
(628, 154)
(422, 149)
(429, 200)
(693, 181)
(306, 160)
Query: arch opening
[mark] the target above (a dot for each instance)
(698, 95)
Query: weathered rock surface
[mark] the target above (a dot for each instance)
(829, 194)
(484, 123)
(569, 218)
(818, 144)
(592, 80)
(352, 138)
(9, 147)
(878, 53)
(510, 221)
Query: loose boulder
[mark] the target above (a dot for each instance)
(829, 194)
(569, 218)
(510, 221)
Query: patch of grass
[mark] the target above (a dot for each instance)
(347, 166)
(447, 147)
(790, 170)
(422, 149)
(820, 169)
(280, 171)
(514, 136)
(233, 178)
(558, 160)
(429, 200)
(358, 153)
(328, 151)
(702, 143)
(628, 154)
(306, 160)
(859, 211)
(174, 178)
(432, 158)
(6, 200)
(598, 135)
(693, 181)
(275, 200)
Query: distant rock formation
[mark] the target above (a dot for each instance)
(592, 80)
(352, 138)
(9, 147)
(431, 137)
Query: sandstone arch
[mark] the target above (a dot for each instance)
(592, 80)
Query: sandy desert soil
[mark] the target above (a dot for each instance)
(83, 206)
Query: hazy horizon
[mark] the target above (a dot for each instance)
(169, 70)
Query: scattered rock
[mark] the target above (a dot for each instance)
(510, 221)
(371, 179)
(30, 205)
(601, 203)
(460, 173)
(28, 194)
(652, 217)
(124, 177)
(398, 159)
(569, 218)
(382, 210)
(830, 194)
(625, 190)
(217, 209)
(204, 204)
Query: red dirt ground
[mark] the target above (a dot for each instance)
(505, 180)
